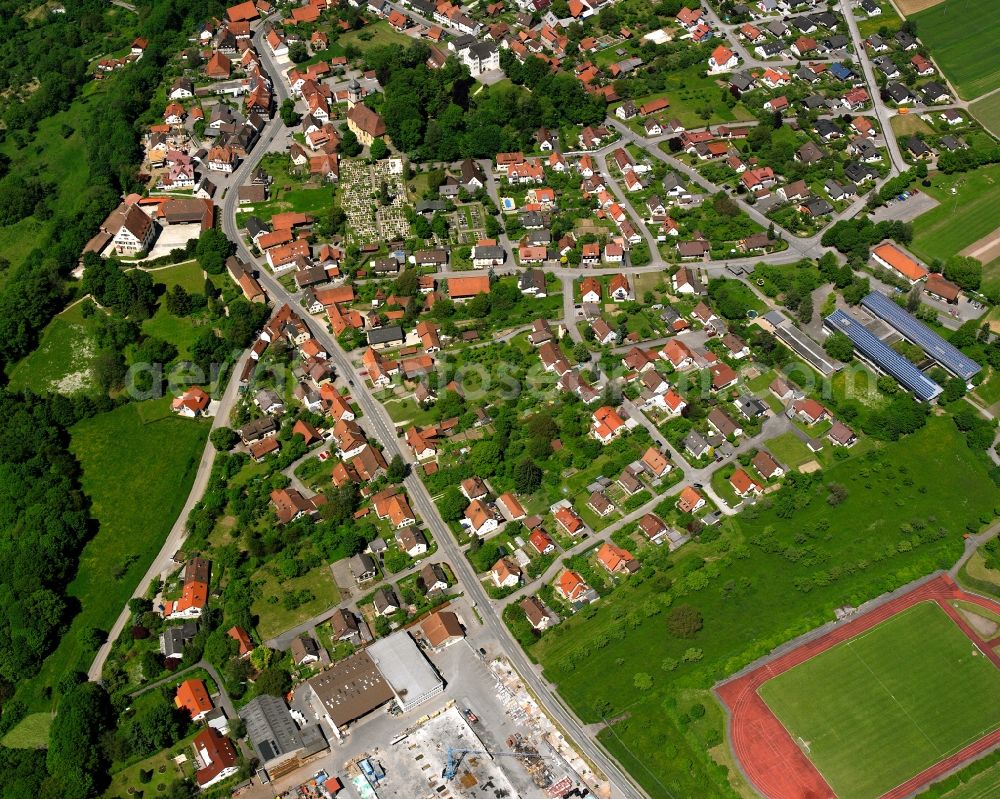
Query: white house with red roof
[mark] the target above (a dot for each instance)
(192, 403)
(607, 424)
(722, 60)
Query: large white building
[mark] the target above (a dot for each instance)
(480, 57)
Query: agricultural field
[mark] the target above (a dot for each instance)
(962, 36)
(138, 464)
(868, 700)
(961, 218)
(810, 555)
(987, 111)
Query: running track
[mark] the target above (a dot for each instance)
(773, 762)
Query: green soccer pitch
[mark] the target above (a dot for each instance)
(880, 708)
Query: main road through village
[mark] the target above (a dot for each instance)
(381, 427)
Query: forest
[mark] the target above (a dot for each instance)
(44, 523)
(438, 115)
(51, 55)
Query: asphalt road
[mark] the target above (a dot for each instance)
(380, 426)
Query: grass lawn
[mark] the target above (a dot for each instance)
(165, 772)
(961, 218)
(909, 125)
(63, 359)
(857, 382)
(407, 411)
(31, 733)
(138, 463)
(757, 588)
(181, 331)
(888, 18)
(789, 450)
(690, 91)
(377, 35)
(981, 786)
(312, 201)
(187, 274)
(961, 34)
(869, 701)
(977, 576)
(987, 111)
(722, 486)
(988, 391)
(273, 617)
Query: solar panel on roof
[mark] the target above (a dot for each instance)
(890, 362)
(917, 332)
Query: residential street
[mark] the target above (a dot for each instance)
(379, 426)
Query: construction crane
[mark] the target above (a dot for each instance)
(455, 757)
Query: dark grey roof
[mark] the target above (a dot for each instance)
(810, 152)
(934, 90)
(695, 443)
(858, 173)
(898, 92)
(270, 727)
(384, 335)
(173, 639)
(492, 251)
(532, 278)
(817, 206)
(255, 226)
(385, 265)
(825, 128)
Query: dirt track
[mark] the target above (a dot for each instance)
(986, 249)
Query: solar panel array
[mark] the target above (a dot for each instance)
(916, 331)
(890, 362)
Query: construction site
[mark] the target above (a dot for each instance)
(444, 757)
(483, 737)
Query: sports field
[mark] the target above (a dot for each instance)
(962, 36)
(880, 708)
